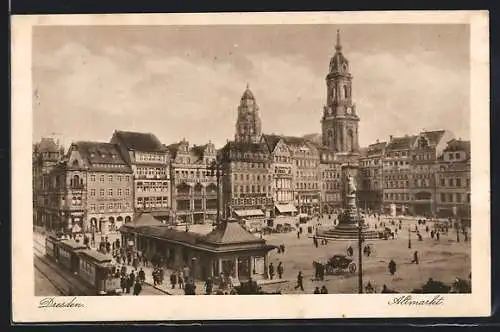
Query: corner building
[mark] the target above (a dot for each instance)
(246, 162)
(99, 191)
(453, 188)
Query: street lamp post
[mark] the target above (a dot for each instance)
(409, 237)
(360, 251)
(216, 169)
(360, 256)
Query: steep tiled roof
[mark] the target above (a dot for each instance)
(433, 136)
(246, 147)
(144, 219)
(294, 140)
(47, 144)
(230, 232)
(172, 149)
(316, 138)
(458, 145)
(99, 152)
(376, 148)
(400, 143)
(271, 141)
(145, 142)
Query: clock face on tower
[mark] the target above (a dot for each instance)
(349, 110)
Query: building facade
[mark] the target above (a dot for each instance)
(453, 180)
(45, 156)
(106, 185)
(396, 174)
(371, 184)
(426, 148)
(306, 174)
(150, 164)
(282, 175)
(194, 187)
(246, 162)
(331, 181)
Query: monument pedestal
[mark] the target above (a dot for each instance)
(348, 227)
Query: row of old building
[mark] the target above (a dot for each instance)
(260, 175)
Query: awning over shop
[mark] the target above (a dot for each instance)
(249, 213)
(284, 208)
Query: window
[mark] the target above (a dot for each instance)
(118, 192)
(457, 155)
(92, 177)
(443, 197)
(92, 192)
(450, 182)
(119, 178)
(101, 207)
(458, 197)
(92, 207)
(110, 206)
(451, 156)
(101, 178)
(110, 192)
(458, 182)
(101, 192)
(127, 192)
(450, 198)
(443, 182)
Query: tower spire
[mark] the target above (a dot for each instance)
(338, 47)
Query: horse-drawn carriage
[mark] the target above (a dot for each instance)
(340, 263)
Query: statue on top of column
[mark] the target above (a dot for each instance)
(351, 185)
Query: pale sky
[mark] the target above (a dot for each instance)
(186, 81)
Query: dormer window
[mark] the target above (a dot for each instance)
(422, 142)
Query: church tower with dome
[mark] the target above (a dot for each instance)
(339, 123)
(248, 124)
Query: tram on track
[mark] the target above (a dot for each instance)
(95, 269)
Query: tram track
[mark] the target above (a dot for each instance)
(51, 271)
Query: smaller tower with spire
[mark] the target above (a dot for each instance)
(248, 124)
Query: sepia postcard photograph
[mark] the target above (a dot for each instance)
(181, 164)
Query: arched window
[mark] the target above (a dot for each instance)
(350, 140)
(329, 138)
(346, 91)
(75, 181)
(128, 219)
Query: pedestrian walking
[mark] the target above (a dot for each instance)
(123, 283)
(180, 279)
(271, 271)
(173, 279)
(437, 236)
(280, 270)
(137, 288)
(300, 281)
(141, 275)
(350, 251)
(209, 286)
(415, 257)
(392, 267)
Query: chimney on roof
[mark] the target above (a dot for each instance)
(390, 138)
